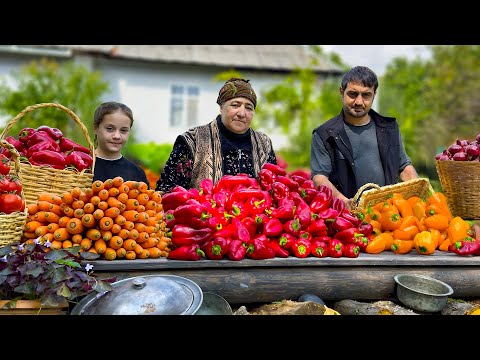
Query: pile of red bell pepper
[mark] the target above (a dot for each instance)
(46, 146)
(274, 215)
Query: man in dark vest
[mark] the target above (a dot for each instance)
(358, 146)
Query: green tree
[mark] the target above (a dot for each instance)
(435, 101)
(46, 81)
(299, 104)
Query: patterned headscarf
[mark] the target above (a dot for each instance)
(236, 87)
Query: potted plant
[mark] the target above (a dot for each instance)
(50, 278)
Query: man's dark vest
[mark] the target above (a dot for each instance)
(336, 142)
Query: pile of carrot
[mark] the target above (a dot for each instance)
(116, 219)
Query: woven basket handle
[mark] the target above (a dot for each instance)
(15, 155)
(360, 191)
(45, 105)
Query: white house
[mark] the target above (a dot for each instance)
(171, 88)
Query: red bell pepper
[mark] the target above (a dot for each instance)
(25, 134)
(186, 235)
(40, 146)
(50, 158)
(54, 133)
(308, 194)
(340, 224)
(284, 210)
(191, 211)
(317, 227)
(296, 197)
(41, 136)
(279, 251)
(348, 236)
(76, 160)
(320, 203)
(227, 231)
(242, 195)
(299, 179)
(241, 232)
(301, 248)
(66, 145)
(292, 184)
(304, 214)
(169, 219)
(279, 191)
(365, 228)
(305, 235)
(328, 214)
(239, 210)
(232, 182)
(309, 184)
(266, 178)
(335, 248)
(351, 250)
(292, 227)
(273, 227)
(221, 198)
(236, 250)
(174, 199)
(220, 216)
(250, 224)
(363, 241)
(346, 214)
(325, 189)
(467, 246)
(337, 204)
(258, 248)
(318, 248)
(20, 146)
(186, 252)
(285, 240)
(261, 220)
(206, 186)
(276, 169)
(256, 206)
(216, 249)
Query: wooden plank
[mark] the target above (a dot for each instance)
(386, 258)
(251, 281)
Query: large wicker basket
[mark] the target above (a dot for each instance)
(371, 194)
(461, 184)
(39, 179)
(11, 225)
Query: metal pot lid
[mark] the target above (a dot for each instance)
(144, 295)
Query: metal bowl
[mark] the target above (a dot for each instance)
(422, 293)
(214, 304)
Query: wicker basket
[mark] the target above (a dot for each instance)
(11, 225)
(39, 179)
(461, 184)
(371, 194)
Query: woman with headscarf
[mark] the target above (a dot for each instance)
(225, 146)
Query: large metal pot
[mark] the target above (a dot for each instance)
(144, 295)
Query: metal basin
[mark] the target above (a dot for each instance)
(214, 304)
(422, 293)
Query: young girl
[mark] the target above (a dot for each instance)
(112, 122)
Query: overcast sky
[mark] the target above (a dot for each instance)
(376, 57)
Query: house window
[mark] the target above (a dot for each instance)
(184, 106)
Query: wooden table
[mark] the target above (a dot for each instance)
(368, 277)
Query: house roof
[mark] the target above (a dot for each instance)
(261, 57)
